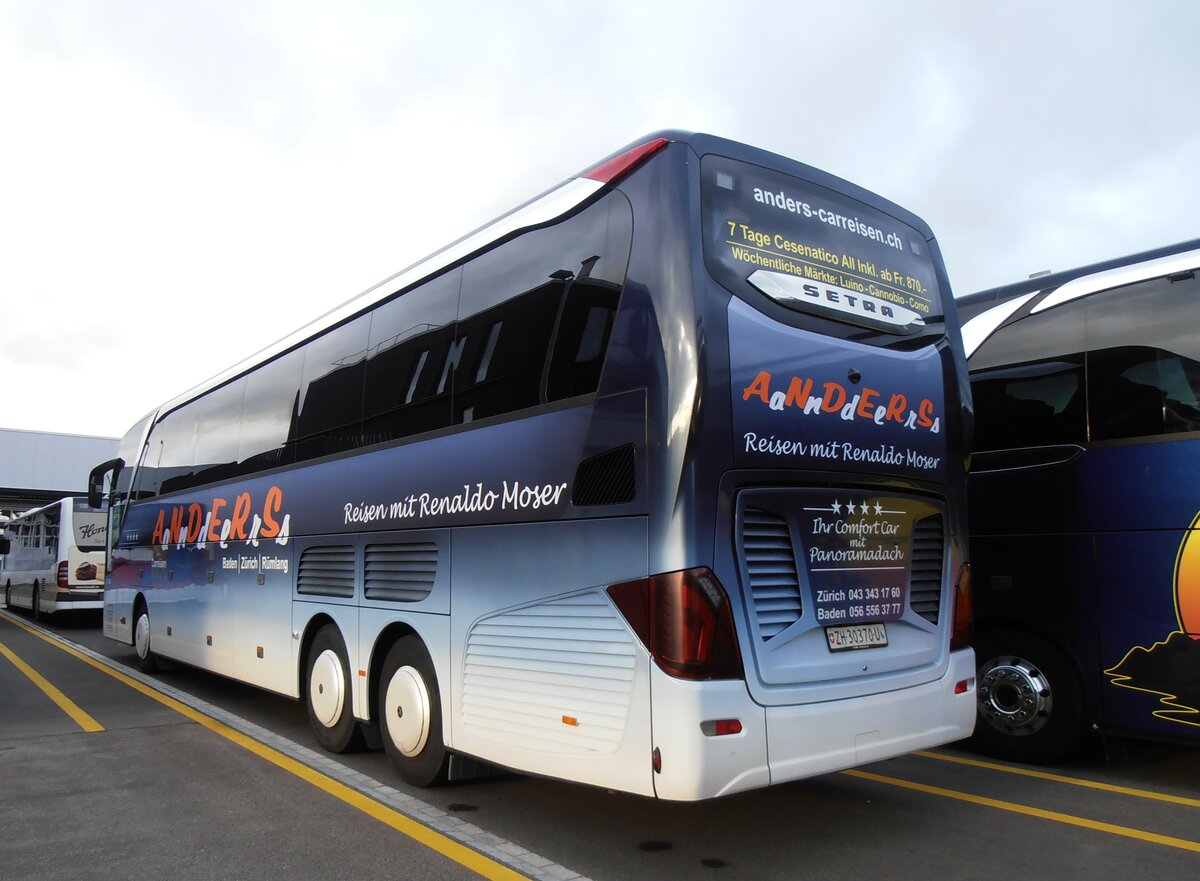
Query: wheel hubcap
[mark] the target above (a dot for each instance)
(327, 688)
(406, 710)
(141, 636)
(1014, 695)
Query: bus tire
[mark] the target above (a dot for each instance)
(410, 714)
(147, 661)
(8, 595)
(1029, 699)
(36, 607)
(328, 692)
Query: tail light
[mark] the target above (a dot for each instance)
(610, 170)
(62, 575)
(964, 618)
(684, 620)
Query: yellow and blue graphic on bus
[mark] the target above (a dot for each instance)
(1171, 668)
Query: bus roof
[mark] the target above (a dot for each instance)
(983, 312)
(542, 209)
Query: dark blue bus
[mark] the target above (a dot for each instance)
(655, 483)
(1085, 494)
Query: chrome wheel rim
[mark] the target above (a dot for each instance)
(1014, 695)
(141, 636)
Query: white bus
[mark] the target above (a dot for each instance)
(52, 558)
(657, 483)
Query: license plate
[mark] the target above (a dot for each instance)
(856, 636)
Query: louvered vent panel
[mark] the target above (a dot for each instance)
(771, 566)
(326, 571)
(925, 585)
(530, 669)
(403, 573)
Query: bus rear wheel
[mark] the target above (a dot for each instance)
(1030, 701)
(410, 714)
(327, 692)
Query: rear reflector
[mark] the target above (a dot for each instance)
(684, 620)
(62, 575)
(608, 172)
(721, 727)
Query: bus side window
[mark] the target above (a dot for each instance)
(269, 414)
(536, 312)
(329, 418)
(1028, 382)
(410, 338)
(1143, 361)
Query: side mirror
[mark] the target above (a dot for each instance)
(95, 494)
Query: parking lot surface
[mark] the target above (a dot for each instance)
(107, 773)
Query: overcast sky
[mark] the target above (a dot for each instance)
(185, 182)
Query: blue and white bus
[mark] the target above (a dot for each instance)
(1085, 504)
(656, 483)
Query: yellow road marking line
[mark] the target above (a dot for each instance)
(446, 846)
(68, 706)
(1054, 816)
(1060, 778)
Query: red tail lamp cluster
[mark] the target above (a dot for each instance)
(684, 620)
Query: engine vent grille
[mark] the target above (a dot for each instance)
(925, 586)
(326, 571)
(607, 479)
(771, 567)
(403, 573)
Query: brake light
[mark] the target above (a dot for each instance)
(609, 171)
(964, 618)
(684, 620)
(62, 575)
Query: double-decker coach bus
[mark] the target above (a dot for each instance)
(654, 483)
(1085, 503)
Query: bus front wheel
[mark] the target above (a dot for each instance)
(410, 714)
(36, 608)
(327, 692)
(1030, 700)
(147, 661)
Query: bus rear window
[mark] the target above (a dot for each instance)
(780, 241)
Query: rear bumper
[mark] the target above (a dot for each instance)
(75, 598)
(779, 744)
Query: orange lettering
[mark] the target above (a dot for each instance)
(866, 404)
(195, 521)
(798, 392)
(924, 412)
(274, 503)
(156, 536)
(761, 387)
(895, 408)
(241, 513)
(214, 534)
(835, 398)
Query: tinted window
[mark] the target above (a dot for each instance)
(170, 453)
(128, 451)
(1144, 360)
(331, 391)
(407, 388)
(564, 279)
(269, 414)
(218, 428)
(1028, 382)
